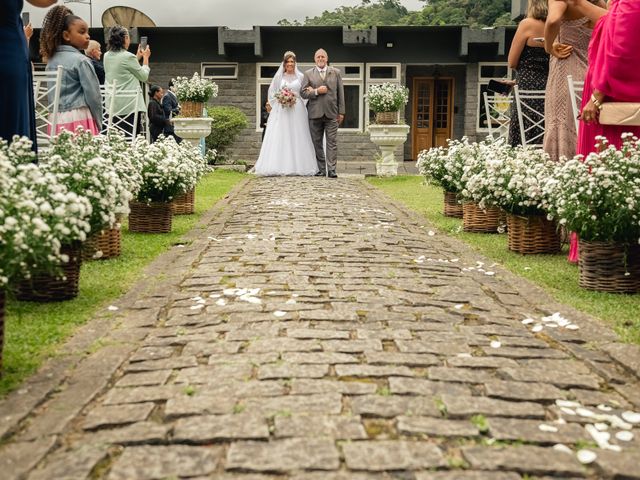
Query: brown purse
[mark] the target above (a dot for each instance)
(620, 113)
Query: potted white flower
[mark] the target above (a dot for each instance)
(184, 204)
(444, 167)
(385, 100)
(193, 93)
(164, 176)
(599, 198)
(42, 224)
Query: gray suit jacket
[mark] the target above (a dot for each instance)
(331, 103)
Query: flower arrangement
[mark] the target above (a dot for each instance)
(444, 167)
(387, 97)
(195, 89)
(75, 158)
(599, 197)
(38, 214)
(167, 168)
(478, 158)
(286, 97)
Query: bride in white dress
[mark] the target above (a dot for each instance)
(287, 148)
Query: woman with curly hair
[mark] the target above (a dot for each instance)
(64, 36)
(17, 116)
(123, 68)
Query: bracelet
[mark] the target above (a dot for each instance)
(596, 102)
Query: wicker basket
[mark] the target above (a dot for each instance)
(452, 206)
(150, 218)
(532, 234)
(387, 118)
(476, 220)
(184, 204)
(609, 267)
(2, 300)
(109, 242)
(44, 287)
(191, 109)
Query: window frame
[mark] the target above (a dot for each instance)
(203, 65)
(378, 81)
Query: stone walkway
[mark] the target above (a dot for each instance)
(314, 330)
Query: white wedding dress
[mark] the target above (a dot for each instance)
(287, 148)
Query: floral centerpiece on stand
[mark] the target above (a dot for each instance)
(40, 220)
(443, 167)
(193, 93)
(385, 100)
(598, 197)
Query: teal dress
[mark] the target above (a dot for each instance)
(17, 115)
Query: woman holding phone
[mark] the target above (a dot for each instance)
(17, 116)
(123, 68)
(528, 57)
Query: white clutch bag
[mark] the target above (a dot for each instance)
(620, 113)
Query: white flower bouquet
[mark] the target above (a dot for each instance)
(77, 162)
(387, 97)
(167, 168)
(444, 167)
(195, 89)
(37, 215)
(599, 197)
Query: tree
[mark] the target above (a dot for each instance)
(379, 12)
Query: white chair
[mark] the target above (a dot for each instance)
(575, 93)
(498, 112)
(46, 95)
(121, 123)
(533, 133)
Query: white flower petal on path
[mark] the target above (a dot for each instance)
(279, 313)
(202, 301)
(250, 299)
(586, 456)
(543, 427)
(631, 417)
(221, 302)
(251, 236)
(195, 299)
(431, 233)
(528, 321)
(113, 308)
(572, 326)
(495, 344)
(464, 355)
(290, 302)
(604, 408)
(602, 427)
(560, 447)
(537, 328)
(585, 412)
(624, 436)
(567, 411)
(196, 307)
(567, 403)
(215, 295)
(459, 306)
(490, 274)
(230, 291)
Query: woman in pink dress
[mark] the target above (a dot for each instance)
(613, 74)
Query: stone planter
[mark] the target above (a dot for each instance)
(192, 129)
(388, 137)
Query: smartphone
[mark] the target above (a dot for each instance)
(143, 43)
(25, 19)
(499, 87)
(538, 39)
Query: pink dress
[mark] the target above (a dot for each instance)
(614, 70)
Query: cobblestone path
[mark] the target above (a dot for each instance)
(314, 330)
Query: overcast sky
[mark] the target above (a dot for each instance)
(232, 13)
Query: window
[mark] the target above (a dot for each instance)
(378, 73)
(219, 71)
(486, 72)
(352, 79)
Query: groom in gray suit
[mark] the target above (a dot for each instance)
(322, 86)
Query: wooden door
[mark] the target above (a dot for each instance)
(432, 113)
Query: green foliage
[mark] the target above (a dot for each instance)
(227, 124)
(551, 272)
(476, 13)
(480, 421)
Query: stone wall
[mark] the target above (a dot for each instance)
(471, 102)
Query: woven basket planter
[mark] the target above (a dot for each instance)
(184, 204)
(532, 234)
(452, 207)
(150, 218)
(108, 241)
(2, 301)
(476, 220)
(609, 267)
(387, 118)
(44, 287)
(191, 109)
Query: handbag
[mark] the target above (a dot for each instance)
(620, 113)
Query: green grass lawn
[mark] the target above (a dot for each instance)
(551, 272)
(33, 331)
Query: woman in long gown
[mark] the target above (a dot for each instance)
(287, 148)
(17, 116)
(567, 35)
(531, 61)
(613, 75)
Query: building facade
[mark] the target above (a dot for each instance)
(446, 69)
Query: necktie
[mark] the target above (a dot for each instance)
(322, 74)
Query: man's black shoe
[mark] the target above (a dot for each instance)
(319, 174)
(333, 175)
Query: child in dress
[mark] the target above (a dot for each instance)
(64, 36)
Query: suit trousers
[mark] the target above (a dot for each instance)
(320, 128)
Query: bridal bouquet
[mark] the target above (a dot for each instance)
(286, 97)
